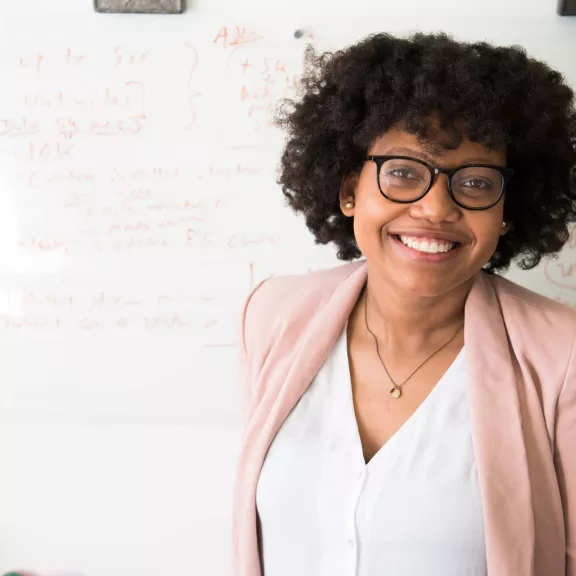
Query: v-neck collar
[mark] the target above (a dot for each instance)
(422, 411)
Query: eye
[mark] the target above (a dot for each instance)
(400, 173)
(478, 184)
(404, 173)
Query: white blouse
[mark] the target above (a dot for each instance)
(413, 510)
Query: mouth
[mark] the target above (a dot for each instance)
(430, 249)
(428, 245)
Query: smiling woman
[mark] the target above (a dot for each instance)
(427, 205)
(413, 412)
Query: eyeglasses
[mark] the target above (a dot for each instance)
(473, 186)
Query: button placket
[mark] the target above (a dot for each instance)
(357, 488)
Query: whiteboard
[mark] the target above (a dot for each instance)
(138, 207)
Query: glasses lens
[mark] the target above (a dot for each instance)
(403, 180)
(477, 187)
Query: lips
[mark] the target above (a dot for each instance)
(427, 246)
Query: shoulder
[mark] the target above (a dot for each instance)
(532, 310)
(531, 301)
(282, 301)
(291, 288)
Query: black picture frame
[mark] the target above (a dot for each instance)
(139, 6)
(567, 7)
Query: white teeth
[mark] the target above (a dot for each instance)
(425, 245)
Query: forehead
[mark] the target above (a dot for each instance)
(441, 147)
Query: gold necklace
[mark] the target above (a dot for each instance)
(396, 391)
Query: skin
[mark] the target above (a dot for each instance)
(413, 306)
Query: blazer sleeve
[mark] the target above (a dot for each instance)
(565, 458)
(245, 323)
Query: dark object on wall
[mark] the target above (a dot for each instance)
(140, 6)
(567, 7)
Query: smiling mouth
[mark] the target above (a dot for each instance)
(427, 245)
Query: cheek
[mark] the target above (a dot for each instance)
(487, 235)
(370, 219)
(372, 212)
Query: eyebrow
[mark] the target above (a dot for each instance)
(431, 159)
(410, 152)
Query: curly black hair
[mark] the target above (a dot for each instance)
(503, 98)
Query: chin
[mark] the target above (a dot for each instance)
(426, 287)
(411, 279)
(428, 275)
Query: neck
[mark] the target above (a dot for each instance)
(409, 322)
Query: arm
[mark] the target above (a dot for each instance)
(565, 459)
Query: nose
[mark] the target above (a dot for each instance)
(437, 206)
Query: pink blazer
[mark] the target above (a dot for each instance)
(522, 390)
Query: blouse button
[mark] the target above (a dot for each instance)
(351, 543)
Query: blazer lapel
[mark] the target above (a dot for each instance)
(279, 399)
(497, 436)
(316, 344)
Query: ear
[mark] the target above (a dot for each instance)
(505, 228)
(347, 196)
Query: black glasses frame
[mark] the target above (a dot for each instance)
(434, 171)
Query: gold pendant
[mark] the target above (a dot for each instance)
(396, 393)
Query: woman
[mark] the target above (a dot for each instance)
(413, 413)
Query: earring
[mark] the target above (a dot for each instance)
(503, 224)
(349, 205)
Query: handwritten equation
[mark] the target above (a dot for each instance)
(146, 149)
(206, 318)
(562, 273)
(118, 209)
(72, 95)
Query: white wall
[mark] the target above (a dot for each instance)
(119, 419)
